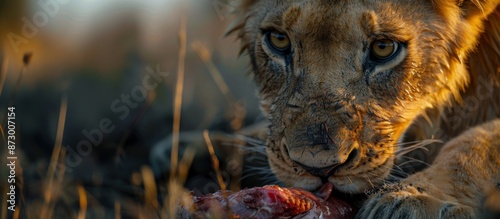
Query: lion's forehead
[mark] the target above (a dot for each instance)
(316, 18)
(329, 17)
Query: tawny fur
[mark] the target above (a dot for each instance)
(446, 81)
(464, 174)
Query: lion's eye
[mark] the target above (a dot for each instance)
(384, 49)
(278, 42)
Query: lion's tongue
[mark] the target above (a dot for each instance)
(324, 191)
(341, 207)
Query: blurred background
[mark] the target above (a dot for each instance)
(111, 66)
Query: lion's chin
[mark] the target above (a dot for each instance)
(309, 183)
(312, 183)
(348, 184)
(353, 193)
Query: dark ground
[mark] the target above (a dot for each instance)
(95, 61)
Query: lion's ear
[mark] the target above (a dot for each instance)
(468, 8)
(241, 5)
(241, 9)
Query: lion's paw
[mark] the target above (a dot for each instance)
(408, 201)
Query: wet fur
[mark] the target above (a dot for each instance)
(448, 82)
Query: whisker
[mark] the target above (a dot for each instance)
(369, 181)
(253, 145)
(399, 170)
(411, 159)
(416, 146)
(257, 169)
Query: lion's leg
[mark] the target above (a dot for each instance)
(464, 174)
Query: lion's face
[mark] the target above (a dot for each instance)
(341, 81)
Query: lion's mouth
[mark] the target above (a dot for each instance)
(353, 176)
(325, 173)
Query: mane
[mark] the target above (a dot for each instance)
(480, 101)
(238, 26)
(477, 103)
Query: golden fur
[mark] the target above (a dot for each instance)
(455, 186)
(329, 106)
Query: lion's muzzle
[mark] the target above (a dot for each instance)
(318, 152)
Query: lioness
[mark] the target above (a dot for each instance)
(345, 83)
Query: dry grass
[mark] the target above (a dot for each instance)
(19, 176)
(206, 57)
(174, 184)
(215, 166)
(59, 191)
(83, 202)
(49, 196)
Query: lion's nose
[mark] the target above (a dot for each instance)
(318, 135)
